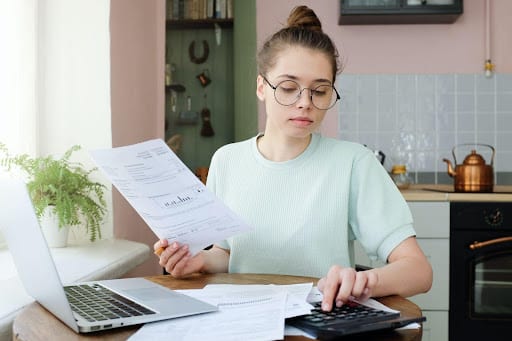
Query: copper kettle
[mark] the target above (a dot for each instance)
(474, 175)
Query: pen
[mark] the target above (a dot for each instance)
(159, 251)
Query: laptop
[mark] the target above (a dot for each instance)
(351, 318)
(129, 301)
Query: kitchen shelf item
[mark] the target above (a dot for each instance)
(188, 116)
(199, 23)
(400, 176)
(473, 175)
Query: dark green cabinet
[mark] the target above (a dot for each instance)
(231, 95)
(197, 49)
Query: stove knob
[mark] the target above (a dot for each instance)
(494, 218)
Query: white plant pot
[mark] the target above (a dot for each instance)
(55, 236)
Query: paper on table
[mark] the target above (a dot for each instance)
(167, 195)
(296, 300)
(243, 315)
(296, 303)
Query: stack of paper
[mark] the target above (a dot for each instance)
(246, 312)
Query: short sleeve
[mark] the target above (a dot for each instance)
(378, 213)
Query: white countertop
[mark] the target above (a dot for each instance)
(103, 259)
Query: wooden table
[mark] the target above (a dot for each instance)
(36, 323)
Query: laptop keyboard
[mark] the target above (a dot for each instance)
(346, 314)
(97, 303)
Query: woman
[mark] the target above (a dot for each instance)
(307, 196)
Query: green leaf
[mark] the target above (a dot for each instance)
(63, 184)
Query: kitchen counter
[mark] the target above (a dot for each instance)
(429, 192)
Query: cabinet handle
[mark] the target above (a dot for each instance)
(477, 245)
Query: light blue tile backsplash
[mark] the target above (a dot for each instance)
(417, 119)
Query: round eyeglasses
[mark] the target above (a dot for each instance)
(288, 92)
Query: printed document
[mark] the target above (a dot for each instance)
(167, 195)
(296, 299)
(246, 312)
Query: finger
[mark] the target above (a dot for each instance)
(159, 243)
(347, 280)
(360, 284)
(330, 285)
(366, 295)
(180, 268)
(178, 252)
(167, 254)
(321, 283)
(371, 282)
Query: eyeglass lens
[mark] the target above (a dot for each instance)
(288, 92)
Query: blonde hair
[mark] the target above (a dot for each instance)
(303, 28)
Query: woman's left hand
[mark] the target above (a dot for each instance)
(344, 284)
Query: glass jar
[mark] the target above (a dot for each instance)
(400, 176)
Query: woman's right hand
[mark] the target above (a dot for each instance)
(177, 259)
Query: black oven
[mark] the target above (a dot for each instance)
(480, 271)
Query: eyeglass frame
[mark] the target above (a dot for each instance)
(338, 97)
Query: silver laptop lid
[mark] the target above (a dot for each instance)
(41, 280)
(30, 253)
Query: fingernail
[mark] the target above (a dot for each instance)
(339, 303)
(325, 306)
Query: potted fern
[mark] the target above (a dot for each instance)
(61, 188)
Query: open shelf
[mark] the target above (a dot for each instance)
(199, 23)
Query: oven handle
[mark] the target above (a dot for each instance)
(477, 245)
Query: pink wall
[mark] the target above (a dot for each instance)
(436, 48)
(137, 79)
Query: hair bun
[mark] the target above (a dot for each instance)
(304, 17)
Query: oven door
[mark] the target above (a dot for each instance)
(491, 279)
(480, 284)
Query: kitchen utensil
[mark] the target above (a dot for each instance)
(177, 87)
(188, 116)
(206, 129)
(473, 175)
(204, 78)
(379, 154)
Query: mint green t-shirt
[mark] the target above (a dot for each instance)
(306, 212)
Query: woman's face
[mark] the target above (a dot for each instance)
(309, 68)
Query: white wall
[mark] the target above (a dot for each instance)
(74, 81)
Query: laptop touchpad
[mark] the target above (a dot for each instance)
(154, 293)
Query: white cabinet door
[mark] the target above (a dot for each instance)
(431, 218)
(435, 328)
(432, 225)
(437, 251)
